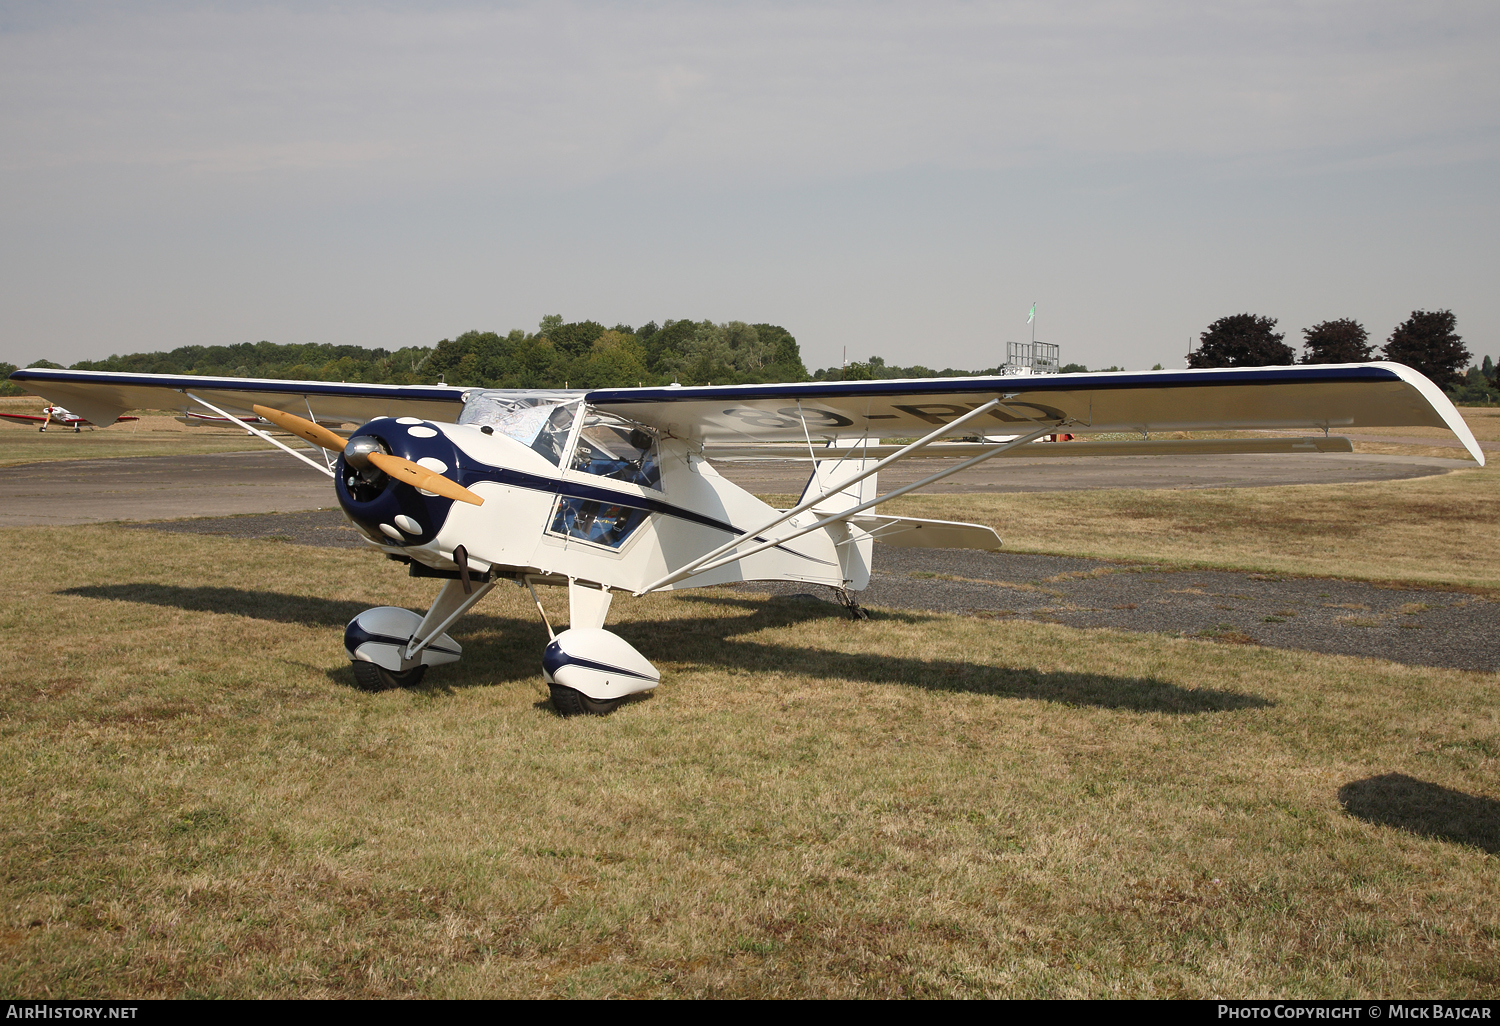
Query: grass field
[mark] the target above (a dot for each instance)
(195, 800)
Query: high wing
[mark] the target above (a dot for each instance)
(1322, 397)
(101, 396)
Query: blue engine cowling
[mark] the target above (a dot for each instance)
(372, 500)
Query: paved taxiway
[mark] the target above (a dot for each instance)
(227, 484)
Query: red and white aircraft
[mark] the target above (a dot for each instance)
(56, 415)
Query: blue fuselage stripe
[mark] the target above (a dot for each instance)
(471, 473)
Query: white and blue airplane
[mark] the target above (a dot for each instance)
(611, 490)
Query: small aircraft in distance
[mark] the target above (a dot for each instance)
(58, 415)
(611, 490)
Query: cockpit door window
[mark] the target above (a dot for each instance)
(618, 449)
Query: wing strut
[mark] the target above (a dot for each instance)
(716, 558)
(846, 514)
(262, 434)
(946, 429)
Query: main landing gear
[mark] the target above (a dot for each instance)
(392, 647)
(587, 668)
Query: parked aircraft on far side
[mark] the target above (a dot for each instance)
(56, 415)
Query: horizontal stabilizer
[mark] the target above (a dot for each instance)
(913, 533)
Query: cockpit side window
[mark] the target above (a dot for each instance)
(613, 447)
(541, 423)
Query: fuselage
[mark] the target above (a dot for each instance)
(571, 492)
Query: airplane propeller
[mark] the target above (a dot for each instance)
(401, 469)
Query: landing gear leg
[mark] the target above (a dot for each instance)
(856, 611)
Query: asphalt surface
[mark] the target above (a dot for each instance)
(1420, 628)
(1423, 628)
(228, 484)
(157, 487)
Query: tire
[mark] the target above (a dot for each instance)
(570, 702)
(370, 677)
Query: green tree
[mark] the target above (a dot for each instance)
(1429, 342)
(668, 348)
(1340, 341)
(7, 386)
(615, 360)
(1242, 340)
(573, 339)
(785, 360)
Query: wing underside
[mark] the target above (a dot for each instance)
(1325, 398)
(101, 396)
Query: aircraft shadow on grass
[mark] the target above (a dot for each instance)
(1429, 810)
(499, 649)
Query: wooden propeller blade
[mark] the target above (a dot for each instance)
(420, 477)
(302, 428)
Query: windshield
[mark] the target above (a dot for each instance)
(613, 447)
(541, 422)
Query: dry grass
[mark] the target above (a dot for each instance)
(195, 801)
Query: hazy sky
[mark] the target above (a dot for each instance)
(901, 179)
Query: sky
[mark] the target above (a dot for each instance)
(900, 180)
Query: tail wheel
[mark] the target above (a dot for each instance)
(370, 677)
(570, 702)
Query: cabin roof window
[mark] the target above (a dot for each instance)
(541, 422)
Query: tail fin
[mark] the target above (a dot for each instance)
(827, 476)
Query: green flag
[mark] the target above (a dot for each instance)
(1031, 316)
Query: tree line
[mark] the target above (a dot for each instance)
(586, 354)
(576, 354)
(1428, 341)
